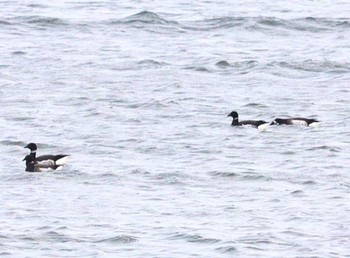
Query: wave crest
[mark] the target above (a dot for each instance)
(144, 17)
(118, 239)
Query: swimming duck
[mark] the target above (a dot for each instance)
(296, 121)
(44, 161)
(32, 166)
(253, 123)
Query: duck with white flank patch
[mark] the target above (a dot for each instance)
(33, 166)
(38, 164)
(254, 123)
(296, 121)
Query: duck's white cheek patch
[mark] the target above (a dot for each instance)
(299, 122)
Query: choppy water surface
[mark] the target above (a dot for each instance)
(138, 93)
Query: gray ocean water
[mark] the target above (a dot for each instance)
(137, 92)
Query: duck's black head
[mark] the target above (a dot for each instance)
(31, 146)
(233, 114)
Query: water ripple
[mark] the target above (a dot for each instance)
(42, 21)
(193, 238)
(122, 239)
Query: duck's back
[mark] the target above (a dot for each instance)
(255, 123)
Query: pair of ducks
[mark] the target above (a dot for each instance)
(278, 121)
(44, 162)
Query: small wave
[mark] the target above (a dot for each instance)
(5, 253)
(215, 23)
(12, 143)
(28, 238)
(240, 67)
(194, 238)
(45, 20)
(170, 178)
(255, 105)
(309, 24)
(255, 177)
(5, 23)
(18, 53)
(227, 249)
(309, 182)
(343, 24)
(198, 69)
(150, 63)
(57, 237)
(314, 66)
(108, 175)
(3, 237)
(223, 64)
(247, 23)
(153, 104)
(44, 228)
(140, 65)
(270, 21)
(224, 174)
(140, 172)
(124, 239)
(268, 24)
(144, 17)
(41, 21)
(297, 192)
(325, 147)
(37, 6)
(326, 22)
